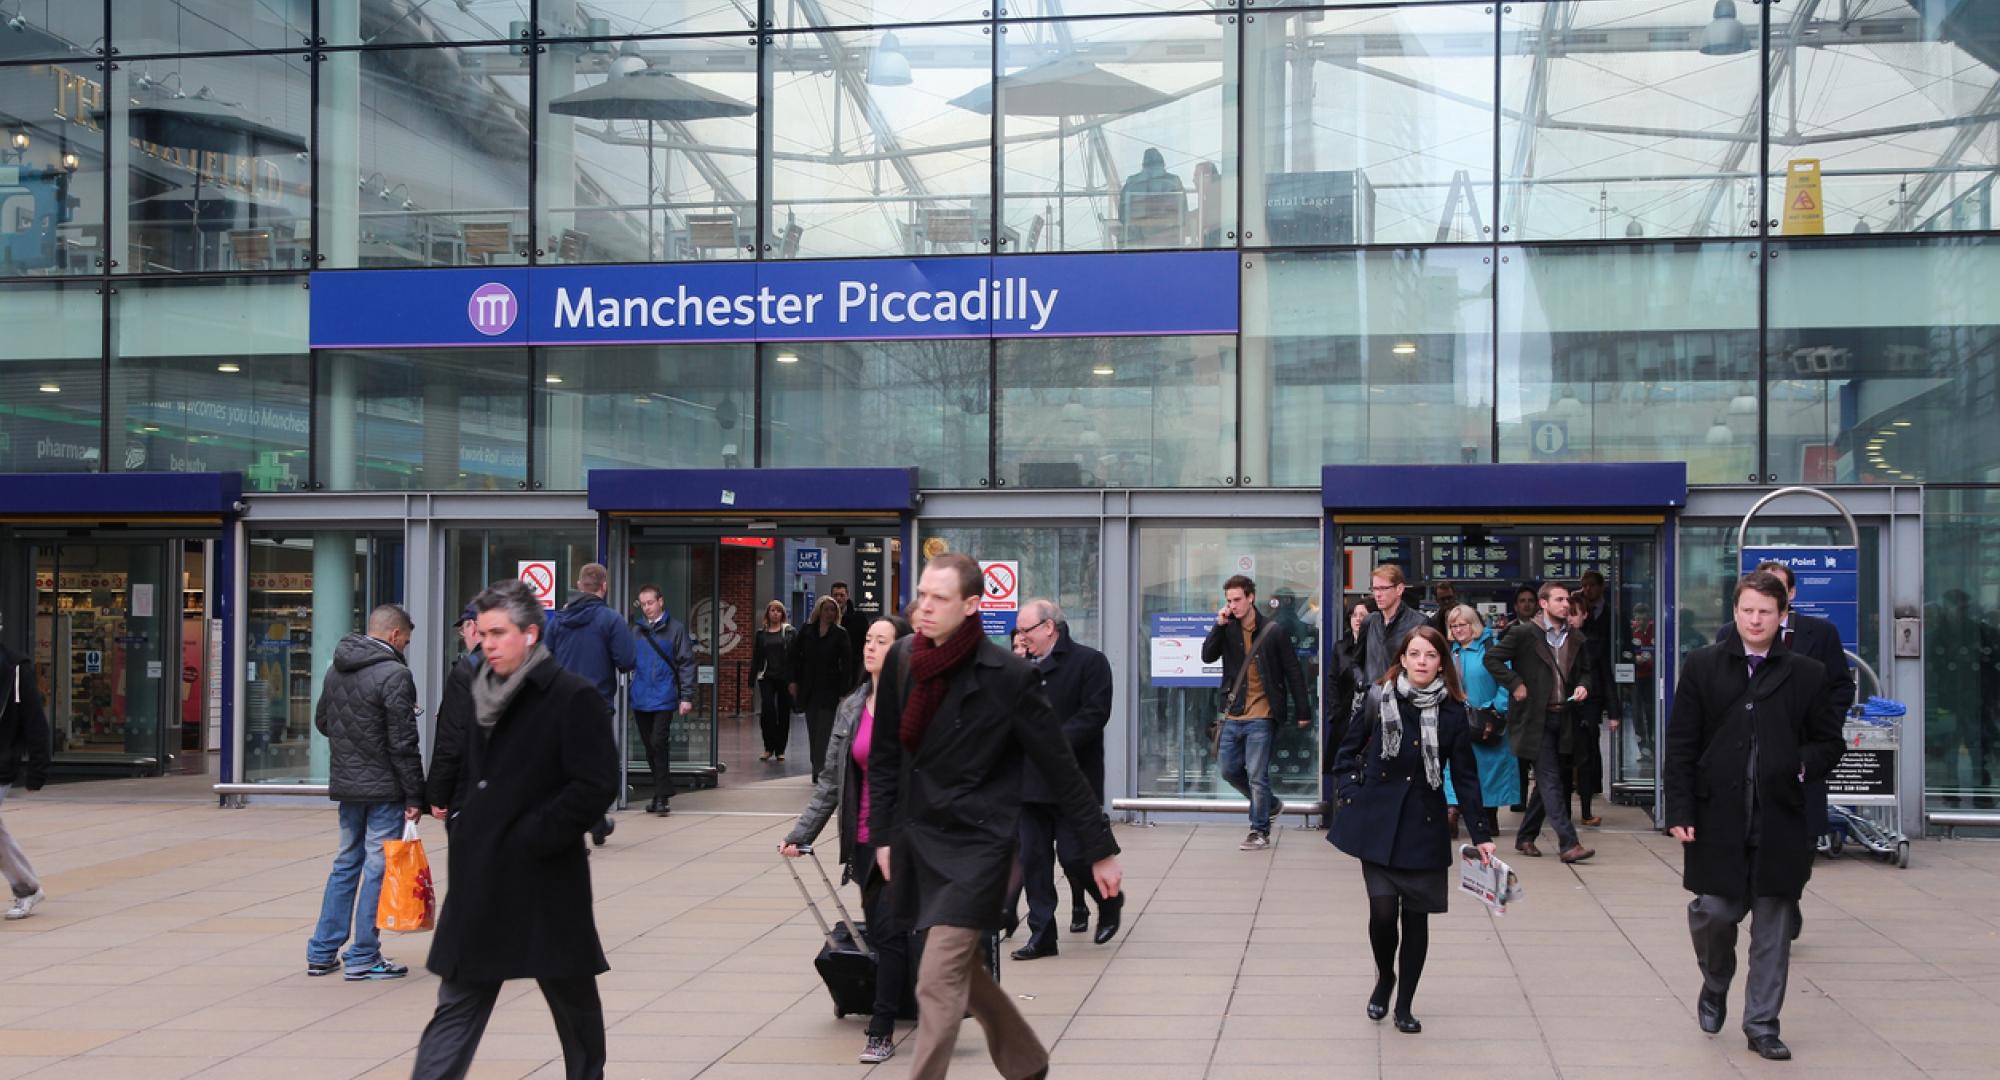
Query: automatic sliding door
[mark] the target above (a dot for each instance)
(687, 574)
(103, 650)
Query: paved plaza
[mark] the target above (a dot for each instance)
(173, 945)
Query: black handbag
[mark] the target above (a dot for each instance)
(1489, 726)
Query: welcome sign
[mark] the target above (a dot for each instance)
(1096, 295)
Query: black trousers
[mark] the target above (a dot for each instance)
(1045, 841)
(655, 730)
(463, 1008)
(819, 728)
(775, 715)
(895, 978)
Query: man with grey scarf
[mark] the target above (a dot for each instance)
(538, 768)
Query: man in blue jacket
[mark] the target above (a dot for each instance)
(590, 640)
(663, 688)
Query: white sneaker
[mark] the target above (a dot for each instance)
(24, 906)
(1256, 841)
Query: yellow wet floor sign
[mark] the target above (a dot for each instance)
(1805, 210)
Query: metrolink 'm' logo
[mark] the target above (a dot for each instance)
(492, 309)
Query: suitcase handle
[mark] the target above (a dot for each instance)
(853, 932)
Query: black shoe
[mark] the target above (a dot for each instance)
(1108, 911)
(1029, 952)
(1711, 1009)
(601, 832)
(1407, 1024)
(1770, 1048)
(1013, 924)
(665, 808)
(1798, 924)
(1079, 921)
(654, 806)
(1378, 1002)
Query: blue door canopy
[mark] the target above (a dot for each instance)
(1088, 295)
(1649, 485)
(729, 492)
(120, 495)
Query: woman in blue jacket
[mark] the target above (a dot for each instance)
(1486, 711)
(1390, 777)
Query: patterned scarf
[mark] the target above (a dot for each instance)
(1426, 700)
(932, 664)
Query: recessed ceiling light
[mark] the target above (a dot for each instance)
(1103, 369)
(787, 357)
(1900, 423)
(228, 368)
(1886, 434)
(51, 388)
(552, 379)
(642, 399)
(1404, 348)
(150, 428)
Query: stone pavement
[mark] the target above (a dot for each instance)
(173, 945)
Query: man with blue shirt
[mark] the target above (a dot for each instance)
(662, 688)
(589, 640)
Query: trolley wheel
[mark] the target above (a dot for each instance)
(1902, 856)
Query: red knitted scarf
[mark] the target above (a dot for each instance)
(931, 667)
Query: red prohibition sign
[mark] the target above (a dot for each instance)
(541, 580)
(999, 582)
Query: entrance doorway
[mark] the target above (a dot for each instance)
(1497, 568)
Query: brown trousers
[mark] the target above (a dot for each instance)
(952, 979)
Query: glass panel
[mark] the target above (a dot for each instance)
(407, 22)
(101, 654)
(1962, 650)
(212, 377)
(1118, 133)
(51, 168)
(1366, 356)
(52, 28)
(1891, 107)
(1057, 563)
(623, 18)
(437, 140)
(140, 27)
(307, 590)
(476, 558)
(1883, 362)
(1117, 412)
(1594, 366)
(51, 378)
(1181, 571)
(1629, 118)
(868, 153)
(650, 155)
(433, 419)
(922, 403)
(876, 12)
(642, 407)
(216, 174)
(1369, 127)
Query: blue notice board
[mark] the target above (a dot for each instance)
(809, 560)
(1828, 580)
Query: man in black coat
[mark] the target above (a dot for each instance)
(1549, 672)
(1753, 723)
(368, 713)
(539, 767)
(442, 787)
(24, 741)
(1812, 636)
(1257, 697)
(855, 625)
(956, 717)
(1591, 606)
(1077, 680)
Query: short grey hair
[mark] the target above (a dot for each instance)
(1464, 613)
(512, 596)
(1044, 609)
(387, 618)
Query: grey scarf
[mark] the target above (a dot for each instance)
(1426, 700)
(491, 694)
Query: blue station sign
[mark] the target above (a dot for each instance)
(1094, 295)
(1827, 582)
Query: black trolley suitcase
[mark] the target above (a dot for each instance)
(846, 962)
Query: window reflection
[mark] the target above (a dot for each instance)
(1631, 353)
(642, 407)
(1117, 412)
(51, 169)
(51, 380)
(144, 27)
(438, 419)
(879, 403)
(1961, 650)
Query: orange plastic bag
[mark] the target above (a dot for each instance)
(408, 903)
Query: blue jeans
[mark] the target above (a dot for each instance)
(1243, 753)
(354, 887)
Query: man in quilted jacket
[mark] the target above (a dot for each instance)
(368, 712)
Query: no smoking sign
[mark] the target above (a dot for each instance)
(1002, 586)
(539, 575)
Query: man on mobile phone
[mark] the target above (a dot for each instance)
(1261, 682)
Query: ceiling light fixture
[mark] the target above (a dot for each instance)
(228, 368)
(1719, 434)
(888, 66)
(1404, 348)
(552, 379)
(50, 388)
(1103, 369)
(787, 357)
(1725, 35)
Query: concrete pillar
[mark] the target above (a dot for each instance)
(333, 586)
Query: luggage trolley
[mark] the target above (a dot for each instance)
(1861, 790)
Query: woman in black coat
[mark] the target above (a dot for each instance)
(820, 677)
(771, 680)
(1389, 774)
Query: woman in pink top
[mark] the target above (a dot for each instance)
(842, 787)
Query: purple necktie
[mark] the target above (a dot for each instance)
(1754, 661)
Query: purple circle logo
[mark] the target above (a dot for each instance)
(492, 309)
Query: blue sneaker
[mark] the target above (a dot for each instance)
(383, 969)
